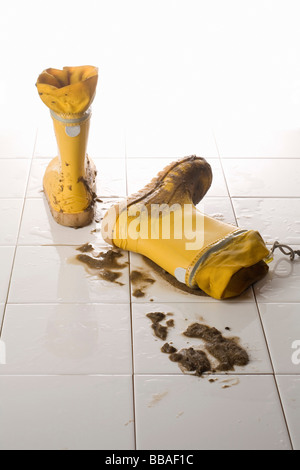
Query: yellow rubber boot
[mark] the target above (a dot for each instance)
(69, 181)
(162, 223)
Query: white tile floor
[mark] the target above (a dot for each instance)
(79, 348)
(79, 365)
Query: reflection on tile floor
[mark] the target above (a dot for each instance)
(51, 403)
(80, 348)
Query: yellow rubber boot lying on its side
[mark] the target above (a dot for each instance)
(69, 181)
(162, 223)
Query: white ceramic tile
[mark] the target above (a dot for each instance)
(192, 413)
(49, 274)
(46, 146)
(151, 137)
(35, 181)
(289, 389)
(282, 328)
(239, 142)
(66, 413)
(162, 291)
(242, 319)
(67, 339)
(10, 215)
(140, 171)
(263, 177)
(6, 257)
(17, 140)
(219, 208)
(2, 307)
(282, 282)
(39, 228)
(111, 177)
(13, 177)
(107, 134)
(276, 219)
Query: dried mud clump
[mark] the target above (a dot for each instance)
(225, 350)
(159, 330)
(192, 360)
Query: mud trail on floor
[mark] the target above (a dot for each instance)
(107, 264)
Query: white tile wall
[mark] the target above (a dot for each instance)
(82, 369)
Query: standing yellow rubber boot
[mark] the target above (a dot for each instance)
(70, 179)
(162, 223)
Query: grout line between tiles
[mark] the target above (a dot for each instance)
(18, 235)
(131, 314)
(274, 373)
(225, 179)
(257, 306)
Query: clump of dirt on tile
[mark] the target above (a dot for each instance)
(159, 330)
(226, 350)
(172, 280)
(140, 282)
(192, 360)
(107, 264)
(168, 349)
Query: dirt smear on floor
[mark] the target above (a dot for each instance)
(106, 264)
(140, 282)
(226, 351)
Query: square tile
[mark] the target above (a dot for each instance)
(66, 413)
(10, 214)
(140, 172)
(282, 328)
(192, 413)
(274, 218)
(282, 282)
(51, 274)
(289, 389)
(242, 319)
(13, 177)
(162, 291)
(17, 142)
(6, 257)
(111, 177)
(239, 142)
(263, 177)
(67, 339)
